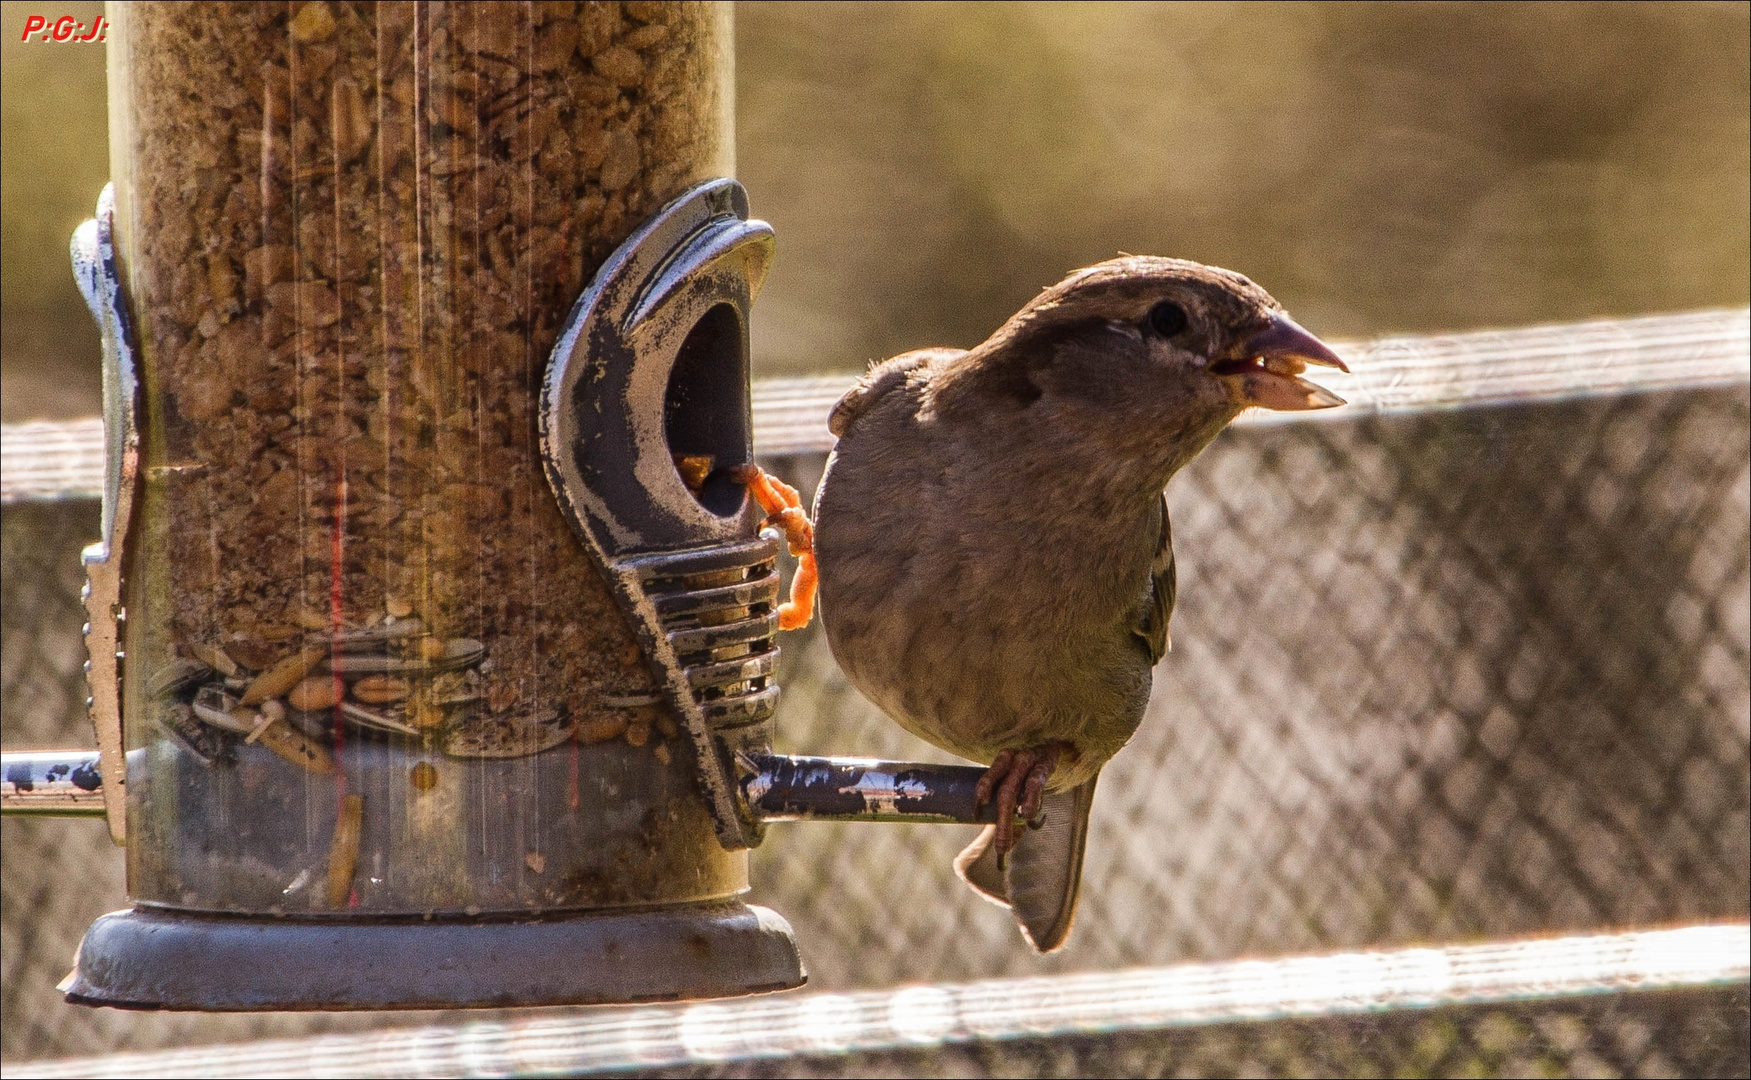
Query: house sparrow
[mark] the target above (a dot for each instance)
(995, 565)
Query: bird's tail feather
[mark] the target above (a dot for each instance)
(1043, 874)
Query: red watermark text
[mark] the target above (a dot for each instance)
(65, 28)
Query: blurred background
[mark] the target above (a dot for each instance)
(928, 167)
(1495, 681)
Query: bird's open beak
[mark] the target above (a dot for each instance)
(1264, 370)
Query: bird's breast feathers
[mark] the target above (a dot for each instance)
(975, 622)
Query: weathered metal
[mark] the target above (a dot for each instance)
(65, 783)
(149, 958)
(780, 788)
(651, 370)
(99, 277)
(776, 787)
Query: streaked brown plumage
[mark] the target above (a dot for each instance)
(996, 568)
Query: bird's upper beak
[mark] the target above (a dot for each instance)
(1264, 370)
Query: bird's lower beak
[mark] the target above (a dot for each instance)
(1264, 372)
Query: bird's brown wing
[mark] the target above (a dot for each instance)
(1151, 625)
(881, 379)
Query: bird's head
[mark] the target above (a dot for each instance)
(1146, 357)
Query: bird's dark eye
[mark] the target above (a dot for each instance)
(1167, 318)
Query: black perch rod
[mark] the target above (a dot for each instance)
(780, 788)
(59, 782)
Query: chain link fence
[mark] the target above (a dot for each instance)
(1437, 676)
(42, 658)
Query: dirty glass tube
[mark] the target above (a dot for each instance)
(368, 665)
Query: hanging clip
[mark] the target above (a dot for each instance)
(96, 269)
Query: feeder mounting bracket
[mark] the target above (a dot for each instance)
(97, 270)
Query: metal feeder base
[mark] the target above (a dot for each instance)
(152, 958)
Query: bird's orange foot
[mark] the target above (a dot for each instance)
(784, 509)
(1017, 779)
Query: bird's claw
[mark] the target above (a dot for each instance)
(784, 509)
(1017, 780)
(799, 532)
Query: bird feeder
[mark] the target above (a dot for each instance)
(432, 652)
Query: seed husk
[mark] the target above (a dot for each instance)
(271, 711)
(314, 693)
(489, 736)
(214, 706)
(177, 677)
(458, 653)
(694, 468)
(250, 654)
(601, 729)
(371, 719)
(381, 689)
(284, 675)
(205, 745)
(351, 123)
(376, 635)
(297, 747)
(453, 688)
(215, 658)
(310, 620)
(343, 854)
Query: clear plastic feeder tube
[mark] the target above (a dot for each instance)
(369, 667)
